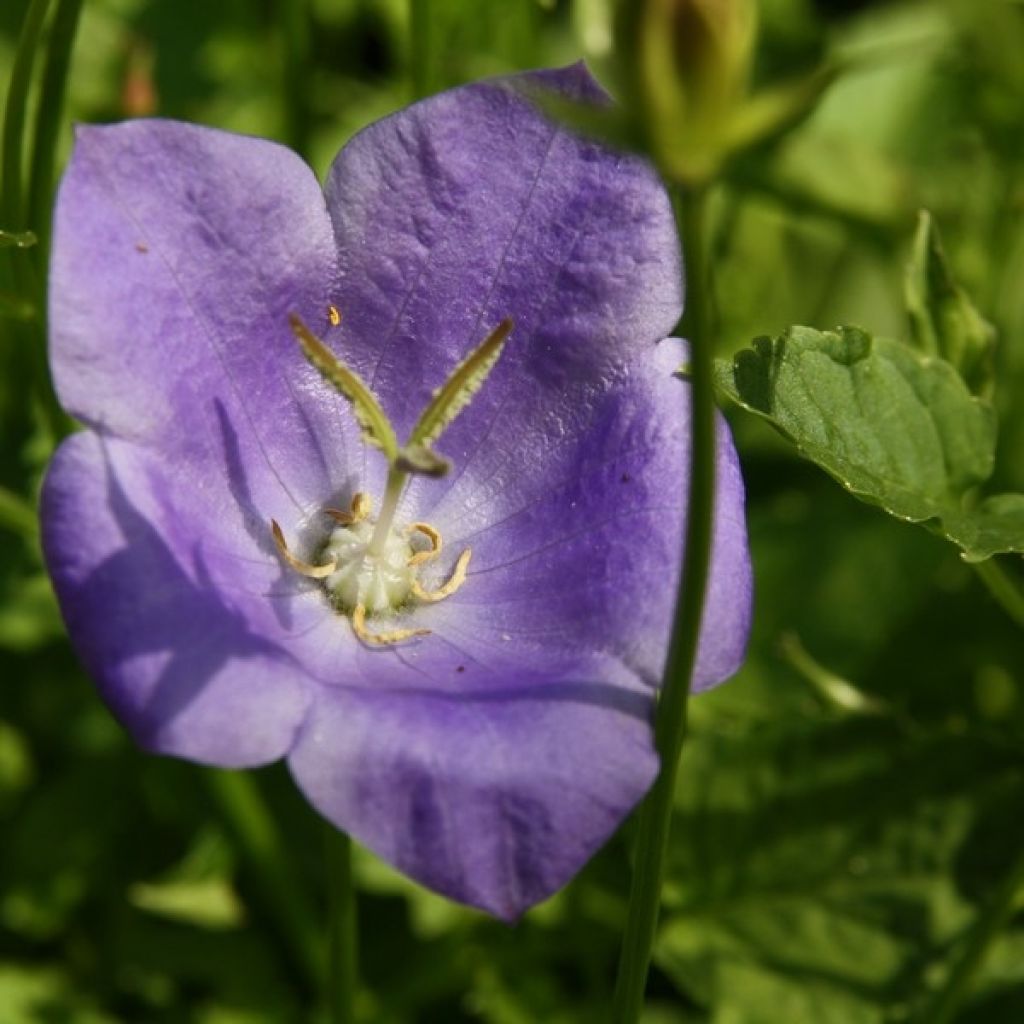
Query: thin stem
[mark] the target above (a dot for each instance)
(671, 721)
(392, 494)
(1002, 588)
(293, 22)
(992, 920)
(420, 38)
(12, 210)
(342, 949)
(252, 825)
(48, 122)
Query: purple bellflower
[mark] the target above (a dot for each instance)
(460, 671)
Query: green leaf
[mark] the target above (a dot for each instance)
(207, 903)
(17, 514)
(943, 320)
(813, 871)
(454, 395)
(377, 429)
(18, 239)
(896, 428)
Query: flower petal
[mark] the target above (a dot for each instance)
(470, 207)
(179, 252)
(496, 799)
(177, 660)
(575, 530)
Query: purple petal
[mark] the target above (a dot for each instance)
(180, 662)
(179, 252)
(494, 799)
(490, 759)
(471, 207)
(579, 549)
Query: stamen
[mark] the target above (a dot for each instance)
(360, 509)
(432, 535)
(457, 578)
(334, 315)
(394, 636)
(316, 572)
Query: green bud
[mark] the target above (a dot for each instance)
(689, 67)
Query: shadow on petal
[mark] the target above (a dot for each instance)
(179, 665)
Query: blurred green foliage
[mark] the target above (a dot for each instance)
(849, 809)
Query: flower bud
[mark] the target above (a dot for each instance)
(689, 67)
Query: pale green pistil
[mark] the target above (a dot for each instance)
(370, 568)
(379, 581)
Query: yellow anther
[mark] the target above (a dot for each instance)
(316, 572)
(334, 315)
(359, 510)
(394, 636)
(457, 578)
(432, 535)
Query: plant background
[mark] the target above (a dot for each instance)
(830, 858)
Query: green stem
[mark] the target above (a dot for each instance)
(342, 950)
(992, 920)
(420, 35)
(48, 123)
(249, 821)
(392, 494)
(671, 720)
(293, 20)
(12, 208)
(1002, 588)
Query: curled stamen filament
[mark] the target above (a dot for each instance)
(393, 636)
(457, 578)
(358, 510)
(315, 572)
(432, 535)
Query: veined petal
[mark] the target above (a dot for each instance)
(494, 799)
(179, 253)
(580, 549)
(188, 667)
(471, 207)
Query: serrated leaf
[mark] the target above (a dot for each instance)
(996, 525)
(377, 429)
(454, 395)
(895, 428)
(17, 239)
(943, 320)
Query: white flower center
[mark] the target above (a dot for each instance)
(378, 582)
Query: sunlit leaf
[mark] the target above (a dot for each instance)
(895, 428)
(208, 903)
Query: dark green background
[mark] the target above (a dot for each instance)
(827, 864)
